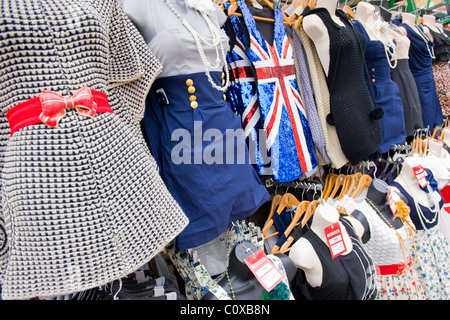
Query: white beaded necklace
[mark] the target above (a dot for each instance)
(216, 43)
(389, 47)
(426, 40)
(421, 215)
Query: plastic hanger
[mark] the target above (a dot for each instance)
(397, 165)
(389, 162)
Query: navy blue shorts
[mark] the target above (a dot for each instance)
(202, 155)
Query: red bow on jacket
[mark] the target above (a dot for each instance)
(54, 106)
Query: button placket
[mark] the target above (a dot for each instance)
(191, 90)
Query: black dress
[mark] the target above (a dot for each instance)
(353, 110)
(347, 277)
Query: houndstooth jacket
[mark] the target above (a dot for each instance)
(83, 203)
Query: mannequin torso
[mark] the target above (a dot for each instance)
(240, 280)
(429, 22)
(152, 17)
(317, 31)
(165, 34)
(400, 35)
(377, 195)
(365, 15)
(410, 20)
(446, 138)
(303, 253)
(407, 180)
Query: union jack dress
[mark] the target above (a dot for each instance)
(269, 101)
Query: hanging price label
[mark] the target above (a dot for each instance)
(335, 240)
(393, 197)
(264, 270)
(420, 174)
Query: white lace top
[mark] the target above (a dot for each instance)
(383, 246)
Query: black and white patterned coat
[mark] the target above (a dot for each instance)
(83, 203)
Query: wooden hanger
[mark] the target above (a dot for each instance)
(363, 182)
(435, 132)
(285, 247)
(344, 186)
(310, 211)
(350, 182)
(311, 5)
(234, 6)
(419, 21)
(414, 146)
(329, 183)
(275, 202)
(299, 211)
(267, 3)
(420, 146)
(348, 11)
(296, 4)
(337, 185)
(299, 22)
(287, 200)
(426, 143)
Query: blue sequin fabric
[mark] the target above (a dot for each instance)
(265, 94)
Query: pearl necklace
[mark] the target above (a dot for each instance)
(389, 48)
(216, 43)
(426, 40)
(422, 217)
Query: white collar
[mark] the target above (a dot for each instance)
(206, 6)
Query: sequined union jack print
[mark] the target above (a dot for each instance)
(275, 99)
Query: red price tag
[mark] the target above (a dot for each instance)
(264, 270)
(436, 140)
(393, 197)
(420, 174)
(335, 240)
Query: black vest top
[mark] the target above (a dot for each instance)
(441, 46)
(352, 105)
(347, 277)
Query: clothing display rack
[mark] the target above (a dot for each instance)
(204, 150)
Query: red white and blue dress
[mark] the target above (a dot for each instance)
(265, 85)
